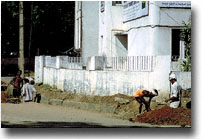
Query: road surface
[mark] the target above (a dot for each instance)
(32, 114)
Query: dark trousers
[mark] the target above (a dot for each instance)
(16, 93)
(142, 101)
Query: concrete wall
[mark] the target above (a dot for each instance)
(102, 83)
(140, 42)
(39, 68)
(174, 17)
(149, 41)
(184, 79)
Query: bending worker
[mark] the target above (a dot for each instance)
(175, 92)
(139, 96)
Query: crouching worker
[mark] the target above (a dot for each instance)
(37, 96)
(139, 96)
(27, 91)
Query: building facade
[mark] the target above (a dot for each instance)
(124, 46)
(133, 28)
(86, 28)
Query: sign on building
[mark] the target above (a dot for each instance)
(135, 9)
(175, 4)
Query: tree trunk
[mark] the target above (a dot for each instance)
(30, 38)
(21, 38)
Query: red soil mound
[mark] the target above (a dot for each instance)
(166, 116)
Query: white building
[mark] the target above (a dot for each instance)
(133, 28)
(124, 46)
(86, 28)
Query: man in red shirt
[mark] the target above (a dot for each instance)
(139, 96)
(17, 83)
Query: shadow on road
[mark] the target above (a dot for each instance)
(27, 124)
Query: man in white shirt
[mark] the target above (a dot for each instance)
(175, 92)
(27, 91)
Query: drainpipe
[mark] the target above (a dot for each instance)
(78, 25)
(154, 19)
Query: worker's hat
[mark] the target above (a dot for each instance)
(172, 76)
(154, 92)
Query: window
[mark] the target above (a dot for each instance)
(115, 3)
(121, 43)
(143, 4)
(178, 51)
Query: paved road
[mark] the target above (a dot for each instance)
(42, 115)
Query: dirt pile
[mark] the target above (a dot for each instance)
(125, 107)
(52, 93)
(3, 97)
(160, 113)
(186, 93)
(186, 98)
(166, 116)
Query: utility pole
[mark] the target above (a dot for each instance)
(30, 39)
(21, 38)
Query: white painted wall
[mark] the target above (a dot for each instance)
(38, 68)
(110, 21)
(104, 83)
(90, 28)
(140, 42)
(173, 16)
(149, 41)
(87, 82)
(148, 35)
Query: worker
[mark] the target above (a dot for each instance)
(139, 96)
(27, 91)
(17, 83)
(175, 95)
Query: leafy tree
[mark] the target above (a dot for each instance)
(48, 26)
(9, 27)
(185, 36)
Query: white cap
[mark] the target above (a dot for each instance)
(154, 92)
(29, 78)
(172, 76)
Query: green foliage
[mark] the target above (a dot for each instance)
(52, 30)
(185, 36)
(46, 86)
(12, 7)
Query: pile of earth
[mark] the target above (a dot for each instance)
(52, 93)
(124, 106)
(166, 116)
(186, 93)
